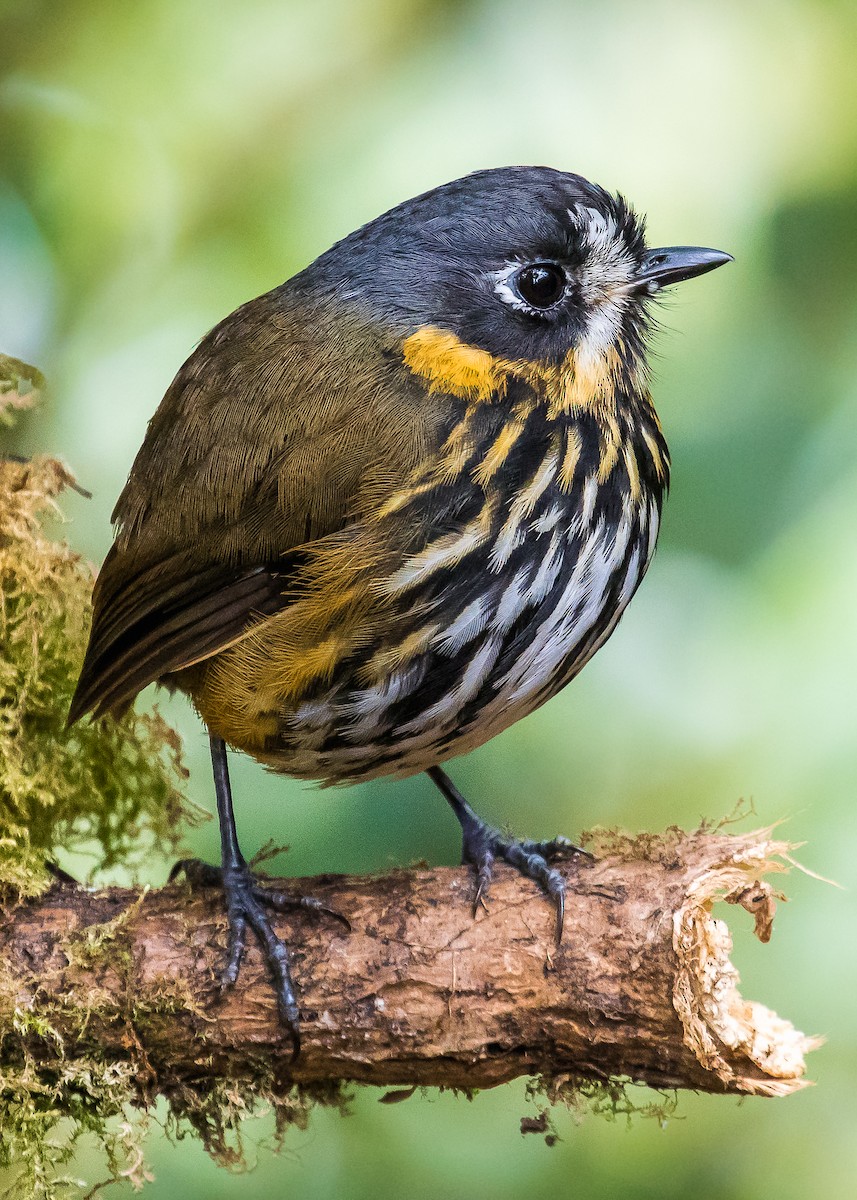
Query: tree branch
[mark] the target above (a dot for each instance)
(419, 993)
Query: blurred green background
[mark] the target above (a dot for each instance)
(163, 161)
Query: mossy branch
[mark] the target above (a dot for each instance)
(419, 992)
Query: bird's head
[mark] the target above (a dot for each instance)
(526, 267)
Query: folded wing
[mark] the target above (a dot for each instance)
(264, 444)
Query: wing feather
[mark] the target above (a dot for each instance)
(164, 638)
(281, 428)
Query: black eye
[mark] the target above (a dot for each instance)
(541, 284)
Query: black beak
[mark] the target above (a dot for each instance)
(672, 264)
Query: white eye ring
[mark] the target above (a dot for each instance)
(505, 286)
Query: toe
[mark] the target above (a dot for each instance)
(484, 875)
(277, 955)
(535, 866)
(282, 902)
(558, 847)
(235, 950)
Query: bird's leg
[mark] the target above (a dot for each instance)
(247, 901)
(482, 846)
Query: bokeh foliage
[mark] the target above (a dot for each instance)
(161, 162)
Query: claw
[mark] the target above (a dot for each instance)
(558, 847)
(559, 900)
(483, 845)
(479, 900)
(234, 952)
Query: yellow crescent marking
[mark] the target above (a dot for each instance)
(582, 382)
(452, 366)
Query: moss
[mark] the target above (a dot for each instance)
(20, 387)
(114, 783)
(612, 1099)
(217, 1114)
(118, 784)
(44, 1116)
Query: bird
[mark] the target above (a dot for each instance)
(395, 504)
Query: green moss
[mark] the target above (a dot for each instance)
(45, 1115)
(20, 387)
(611, 1099)
(115, 783)
(118, 784)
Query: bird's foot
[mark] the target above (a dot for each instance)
(248, 904)
(482, 845)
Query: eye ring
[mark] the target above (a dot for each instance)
(540, 285)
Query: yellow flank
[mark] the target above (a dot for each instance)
(249, 690)
(289, 674)
(316, 662)
(452, 366)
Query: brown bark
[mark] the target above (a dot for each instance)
(420, 993)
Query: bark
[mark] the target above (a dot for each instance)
(419, 992)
